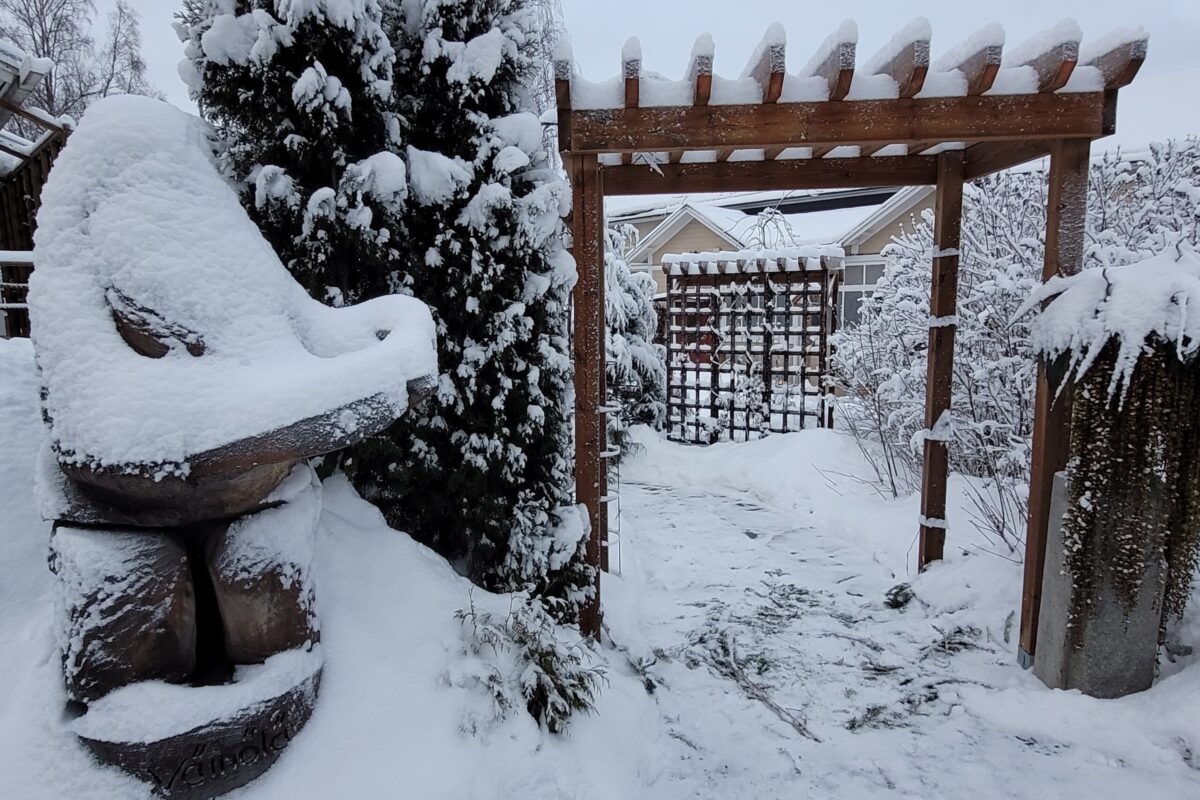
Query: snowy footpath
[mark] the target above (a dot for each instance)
(757, 648)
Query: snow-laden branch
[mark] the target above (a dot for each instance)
(1152, 300)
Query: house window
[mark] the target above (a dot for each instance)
(858, 282)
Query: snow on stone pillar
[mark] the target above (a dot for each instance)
(1124, 536)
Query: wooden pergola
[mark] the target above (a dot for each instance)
(899, 121)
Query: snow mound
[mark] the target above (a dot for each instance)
(1155, 299)
(136, 218)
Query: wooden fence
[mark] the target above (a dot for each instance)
(747, 345)
(20, 199)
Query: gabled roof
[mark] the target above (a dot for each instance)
(885, 214)
(725, 223)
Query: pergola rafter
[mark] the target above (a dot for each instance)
(900, 120)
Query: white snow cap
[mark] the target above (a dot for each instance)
(631, 51)
(1114, 39)
(136, 216)
(1066, 32)
(1157, 298)
(989, 36)
(846, 33)
(772, 45)
(702, 53)
(919, 30)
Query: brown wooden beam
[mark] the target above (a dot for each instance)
(772, 153)
(938, 119)
(632, 68)
(838, 69)
(980, 68)
(587, 223)
(562, 97)
(947, 226)
(909, 67)
(988, 157)
(1054, 67)
(699, 71)
(36, 120)
(769, 70)
(747, 176)
(1121, 64)
(1066, 209)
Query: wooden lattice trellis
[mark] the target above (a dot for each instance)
(902, 120)
(747, 343)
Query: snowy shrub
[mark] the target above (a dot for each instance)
(527, 659)
(636, 366)
(301, 93)
(880, 364)
(390, 146)
(481, 471)
(1137, 204)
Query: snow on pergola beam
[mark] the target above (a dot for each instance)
(900, 119)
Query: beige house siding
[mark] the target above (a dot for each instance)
(880, 239)
(644, 228)
(694, 237)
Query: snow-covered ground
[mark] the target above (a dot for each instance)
(752, 655)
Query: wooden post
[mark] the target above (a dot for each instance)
(1066, 209)
(588, 336)
(942, 302)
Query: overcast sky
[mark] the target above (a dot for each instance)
(1161, 102)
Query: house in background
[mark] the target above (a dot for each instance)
(861, 221)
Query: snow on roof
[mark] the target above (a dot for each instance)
(20, 74)
(829, 225)
(135, 216)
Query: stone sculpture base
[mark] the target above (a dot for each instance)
(211, 759)
(1114, 651)
(194, 649)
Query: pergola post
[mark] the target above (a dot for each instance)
(588, 337)
(1066, 209)
(947, 226)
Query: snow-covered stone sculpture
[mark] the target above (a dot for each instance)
(1124, 536)
(186, 380)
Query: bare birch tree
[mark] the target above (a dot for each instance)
(84, 70)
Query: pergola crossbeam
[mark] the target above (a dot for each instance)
(1054, 66)
(1120, 64)
(837, 66)
(909, 67)
(737, 176)
(818, 124)
(980, 67)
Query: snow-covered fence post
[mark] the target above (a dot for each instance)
(1066, 212)
(1124, 533)
(942, 305)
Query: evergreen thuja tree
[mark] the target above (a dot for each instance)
(481, 471)
(301, 94)
(636, 366)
